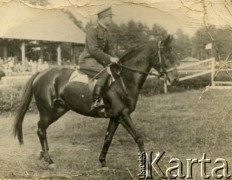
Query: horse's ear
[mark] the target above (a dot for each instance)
(168, 40)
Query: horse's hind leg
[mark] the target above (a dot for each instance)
(42, 134)
(112, 127)
(47, 118)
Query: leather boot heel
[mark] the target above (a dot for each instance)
(96, 97)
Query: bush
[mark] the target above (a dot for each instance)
(155, 86)
(194, 83)
(152, 86)
(10, 98)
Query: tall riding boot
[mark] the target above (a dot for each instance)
(96, 97)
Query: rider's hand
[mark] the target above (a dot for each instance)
(114, 59)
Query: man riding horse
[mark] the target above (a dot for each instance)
(98, 53)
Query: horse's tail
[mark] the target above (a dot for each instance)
(25, 102)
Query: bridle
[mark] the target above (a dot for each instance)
(162, 71)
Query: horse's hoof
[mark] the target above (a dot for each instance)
(52, 166)
(103, 163)
(40, 156)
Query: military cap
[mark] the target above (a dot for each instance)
(105, 12)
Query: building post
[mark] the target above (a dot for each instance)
(59, 61)
(212, 71)
(72, 60)
(41, 51)
(165, 87)
(23, 56)
(5, 50)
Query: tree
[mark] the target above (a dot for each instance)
(134, 34)
(220, 39)
(182, 45)
(157, 33)
(129, 35)
(223, 42)
(200, 40)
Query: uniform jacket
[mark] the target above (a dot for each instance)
(97, 51)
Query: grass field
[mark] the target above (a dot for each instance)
(184, 125)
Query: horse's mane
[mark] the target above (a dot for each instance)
(131, 53)
(135, 50)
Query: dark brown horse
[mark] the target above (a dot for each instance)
(50, 84)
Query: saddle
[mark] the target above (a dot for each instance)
(79, 76)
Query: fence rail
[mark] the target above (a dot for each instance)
(206, 67)
(197, 69)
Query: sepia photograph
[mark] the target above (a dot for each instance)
(115, 89)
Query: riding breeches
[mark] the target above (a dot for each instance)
(103, 78)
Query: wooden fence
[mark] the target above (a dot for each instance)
(208, 66)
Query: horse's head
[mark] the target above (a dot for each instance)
(166, 64)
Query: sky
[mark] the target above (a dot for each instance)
(189, 15)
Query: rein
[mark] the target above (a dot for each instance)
(143, 72)
(139, 71)
(147, 73)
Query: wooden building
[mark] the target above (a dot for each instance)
(26, 26)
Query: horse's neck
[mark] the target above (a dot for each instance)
(135, 80)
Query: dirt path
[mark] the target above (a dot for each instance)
(75, 151)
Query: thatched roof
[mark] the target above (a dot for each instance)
(19, 21)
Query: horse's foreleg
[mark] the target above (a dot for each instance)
(127, 123)
(112, 127)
